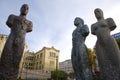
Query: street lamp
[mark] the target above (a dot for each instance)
(21, 71)
(56, 67)
(56, 62)
(26, 70)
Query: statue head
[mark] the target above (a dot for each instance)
(24, 9)
(78, 22)
(98, 13)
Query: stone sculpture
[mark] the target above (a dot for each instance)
(107, 50)
(79, 55)
(13, 49)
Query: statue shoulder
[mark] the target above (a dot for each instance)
(92, 25)
(110, 19)
(74, 32)
(11, 16)
(10, 20)
(85, 26)
(30, 26)
(30, 23)
(93, 28)
(111, 23)
(84, 30)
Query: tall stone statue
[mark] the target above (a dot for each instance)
(79, 55)
(107, 50)
(13, 49)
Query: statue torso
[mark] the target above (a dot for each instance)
(79, 35)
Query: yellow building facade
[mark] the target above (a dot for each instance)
(45, 60)
(3, 39)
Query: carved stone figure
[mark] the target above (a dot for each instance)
(107, 50)
(13, 49)
(79, 55)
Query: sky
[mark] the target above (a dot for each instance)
(53, 21)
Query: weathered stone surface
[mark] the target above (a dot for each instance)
(107, 50)
(79, 55)
(14, 46)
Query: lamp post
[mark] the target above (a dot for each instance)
(57, 67)
(21, 71)
(26, 70)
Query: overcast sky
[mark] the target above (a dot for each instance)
(53, 21)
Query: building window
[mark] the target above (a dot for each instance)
(37, 56)
(40, 67)
(52, 54)
(41, 55)
(40, 62)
